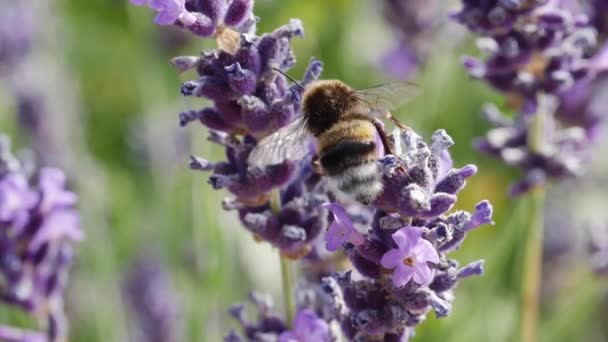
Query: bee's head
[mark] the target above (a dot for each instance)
(324, 103)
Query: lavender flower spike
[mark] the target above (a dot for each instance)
(153, 300)
(538, 50)
(403, 266)
(250, 100)
(286, 204)
(38, 223)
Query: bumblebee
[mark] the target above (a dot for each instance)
(343, 122)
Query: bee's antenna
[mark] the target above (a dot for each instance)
(289, 77)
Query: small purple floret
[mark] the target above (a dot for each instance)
(341, 230)
(307, 327)
(411, 257)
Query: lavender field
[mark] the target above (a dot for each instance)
(176, 170)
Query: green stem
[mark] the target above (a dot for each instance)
(287, 277)
(286, 269)
(533, 269)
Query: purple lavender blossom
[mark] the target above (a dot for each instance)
(284, 204)
(310, 324)
(411, 257)
(251, 100)
(494, 16)
(341, 231)
(38, 223)
(537, 49)
(153, 301)
(15, 34)
(414, 23)
(268, 325)
(169, 11)
(307, 327)
(221, 19)
(412, 233)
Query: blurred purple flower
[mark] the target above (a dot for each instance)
(267, 324)
(411, 257)
(9, 334)
(207, 18)
(16, 199)
(169, 11)
(153, 300)
(341, 230)
(38, 224)
(307, 327)
(15, 34)
(538, 50)
(414, 23)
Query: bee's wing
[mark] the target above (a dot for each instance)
(388, 96)
(291, 142)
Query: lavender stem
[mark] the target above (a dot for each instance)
(287, 284)
(286, 270)
(533, 268)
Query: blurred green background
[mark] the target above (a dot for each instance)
(114, 99)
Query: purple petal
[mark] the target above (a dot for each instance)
(166, 18)
(308, 327)
(139, 2)
(423, 274)
(60, 224)
(340, 214)
(407, 237)
(355, 237)
(332, 238)
(426, 252)
(392, 258)
(402, 275)
(342, 230)
(288, 336)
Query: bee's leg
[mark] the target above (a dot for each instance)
(316, 165)
(380, 128)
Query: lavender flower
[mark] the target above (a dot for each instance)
(268, 324)
(221, 19)
(307, 327)
(250, 100)
(408, 243)
(153, 300)
(536, 51)
(38, 223)
(15, 34)
(411, 257)
(414, 23)
(316, 309)
(341, 231)
(169, 11)
(285, 204)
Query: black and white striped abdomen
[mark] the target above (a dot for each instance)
(352, 171)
